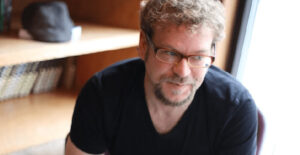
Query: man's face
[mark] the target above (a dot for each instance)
(175, 84)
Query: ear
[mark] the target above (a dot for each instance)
(142, 49)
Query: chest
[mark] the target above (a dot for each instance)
(164, 123)
(139, 134)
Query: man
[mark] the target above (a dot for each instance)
(172, 100)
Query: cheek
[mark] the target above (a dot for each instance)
(161, 71)
(156, 70)
(199, 75)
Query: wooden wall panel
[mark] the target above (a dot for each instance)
(19, 5)
(87, 65)
(224, 48)
(119, 13)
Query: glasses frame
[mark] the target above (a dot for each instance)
(212, 57)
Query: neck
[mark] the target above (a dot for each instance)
(157, 106)
(164, 117)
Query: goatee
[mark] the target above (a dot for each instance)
(159, 95)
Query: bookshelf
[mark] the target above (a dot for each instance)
(43, 117)
(35, 119)
(22, 119)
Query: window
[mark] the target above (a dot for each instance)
(269, 67)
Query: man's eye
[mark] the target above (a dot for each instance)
(197, 58)
(170, 53)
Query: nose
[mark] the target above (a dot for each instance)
(182, 69)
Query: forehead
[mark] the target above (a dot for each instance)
(162, 26)
(182, 37)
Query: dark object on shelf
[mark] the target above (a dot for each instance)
(48, 21)
(5, 14)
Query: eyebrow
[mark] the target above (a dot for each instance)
(167, 47)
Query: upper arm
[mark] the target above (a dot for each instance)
(87, 131)
(71, 149)
(240, 132)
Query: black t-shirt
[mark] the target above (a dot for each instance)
(111, 114)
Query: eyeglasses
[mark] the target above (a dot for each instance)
(173, 57)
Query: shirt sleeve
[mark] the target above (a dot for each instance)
(240, 130)
(87, 123)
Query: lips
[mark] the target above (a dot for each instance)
(177, 85)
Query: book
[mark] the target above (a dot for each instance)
(15, 81)
(3, 80)
(30, 79)
(39, 82)
(2, 15)
(68, 77)
(49, 73)
(24, 80)
(36, 77)
(7, 14)
(10, 71)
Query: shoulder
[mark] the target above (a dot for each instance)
(231, 112)
(108, 85)
(226, 98)
(224, 88)
(119, 73)
(121, 69)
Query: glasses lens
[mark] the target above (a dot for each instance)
(199, 61)
(174, 58)
(168, 56)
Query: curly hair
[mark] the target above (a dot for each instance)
(191, 13)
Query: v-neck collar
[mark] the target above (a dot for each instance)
(179, 125)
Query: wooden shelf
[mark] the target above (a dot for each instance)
(35, 119)
(94, 39)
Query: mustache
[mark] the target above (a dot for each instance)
(178, 80)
